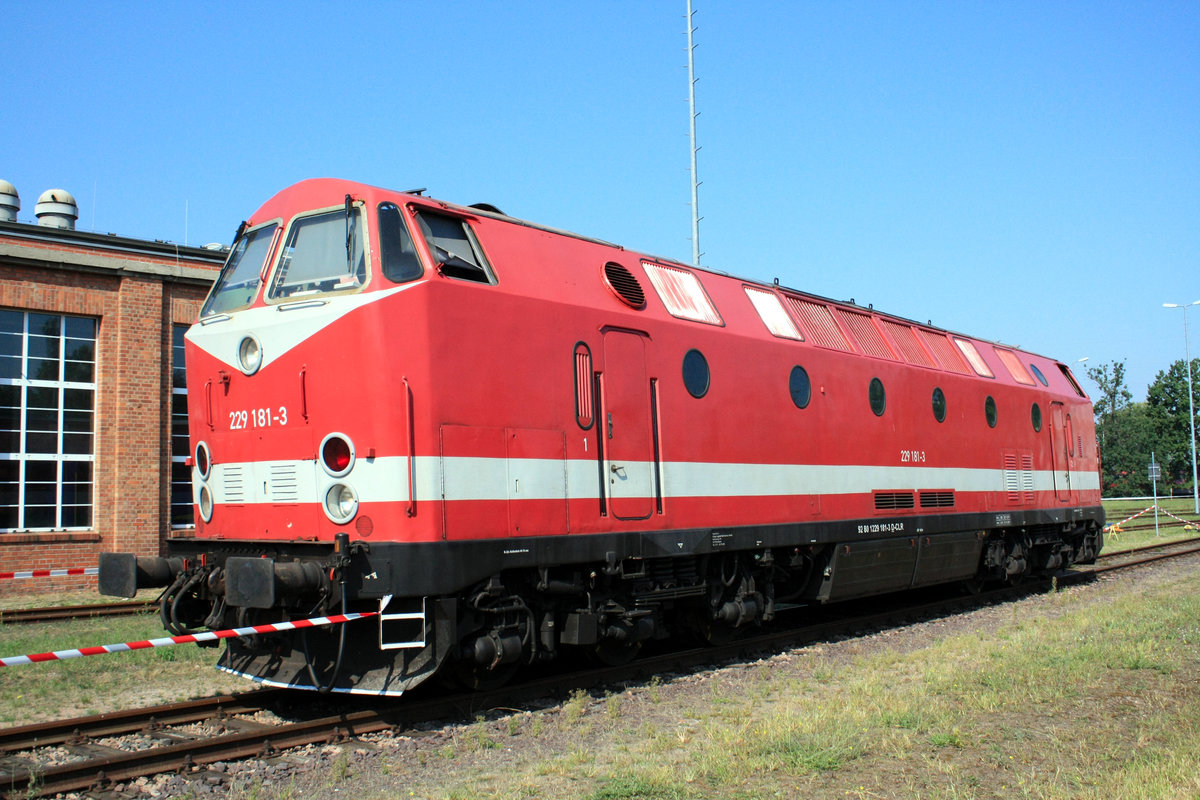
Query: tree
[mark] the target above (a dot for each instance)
(1127, 436)
(1167, 399)
(1114, 394)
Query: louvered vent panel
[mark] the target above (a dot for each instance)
(869, 339)
(818, 323)
(937, 499)
(284, 487)
(1027, 477)
(893, 500)
(1012, 479)
(945, 353)
(234, 484)
(583, 386)
(906, 341)
(624, 285)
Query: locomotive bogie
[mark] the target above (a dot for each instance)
(510, 442)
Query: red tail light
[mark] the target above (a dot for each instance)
(336, 454)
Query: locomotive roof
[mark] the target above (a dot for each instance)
(322, 186)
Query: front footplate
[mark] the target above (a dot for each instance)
(366, 668)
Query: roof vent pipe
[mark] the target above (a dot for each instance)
(56, 209)
(10, 202)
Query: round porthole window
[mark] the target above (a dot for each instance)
(877, 397)
(695, 373)
(800, 387)
(939, 405)
(989, 409)
(1036, 416)
(1039, 374)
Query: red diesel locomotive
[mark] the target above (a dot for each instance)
(513, 441)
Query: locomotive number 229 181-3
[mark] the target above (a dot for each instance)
(257, 418)
(912, 456)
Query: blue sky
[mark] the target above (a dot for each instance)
(1027, 172)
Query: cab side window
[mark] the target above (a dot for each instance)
(396, 252)
(454, 247)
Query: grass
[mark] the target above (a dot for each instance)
(1169, 529)
(94, 684)
(1064, 698)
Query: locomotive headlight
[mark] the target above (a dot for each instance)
(206, 503)
(249, 355)
(341, 503)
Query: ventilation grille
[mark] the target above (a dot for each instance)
(284, 486)
(937, 499)
(624, 285)
(818, 322)
(233, 483)
(1018, 478)
(906, 340)
(947, 357)
(869, 339)
(893, 500)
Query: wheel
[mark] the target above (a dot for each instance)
(616, 654)
(479, 678)
(974, 585)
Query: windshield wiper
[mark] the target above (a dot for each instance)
(349, 256)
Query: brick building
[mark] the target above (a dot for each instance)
(93, 401)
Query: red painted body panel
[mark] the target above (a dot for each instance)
(472, 386)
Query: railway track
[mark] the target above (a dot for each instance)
(98, 754)
(87, 611)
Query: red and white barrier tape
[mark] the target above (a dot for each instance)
(206, 636)
(48, 573)
(1181, 519)
(1128, 519)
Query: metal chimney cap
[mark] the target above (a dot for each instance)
(56, 208)
(10, 202)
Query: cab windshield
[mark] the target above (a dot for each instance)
(238, 284)
(323, 253)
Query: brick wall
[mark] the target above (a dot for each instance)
(136, 309)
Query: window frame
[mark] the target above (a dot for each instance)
(263, 269)
(280, 247)
(61, 386)
(179, 474)
(481, 257)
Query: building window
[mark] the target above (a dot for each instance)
(181, 473)
(47, 420)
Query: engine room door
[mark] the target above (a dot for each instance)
(1059, 449)
(627, 427)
